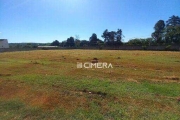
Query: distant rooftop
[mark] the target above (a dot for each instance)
(2, 39)
(47, 46)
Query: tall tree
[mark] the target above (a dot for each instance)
(112, 38)
(172, 34)
(159, 29)
(70, 42)
(93, 39)
(173, 21)
(105, 35)
(119, 35)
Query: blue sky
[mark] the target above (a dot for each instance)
(48, 20)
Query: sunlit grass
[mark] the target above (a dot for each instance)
(47, 85)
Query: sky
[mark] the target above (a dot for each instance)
(43, 21)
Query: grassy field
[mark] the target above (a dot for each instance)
(48, 85)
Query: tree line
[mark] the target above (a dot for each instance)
(165, 33)
(110, 38)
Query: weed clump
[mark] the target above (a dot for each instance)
(94, 60)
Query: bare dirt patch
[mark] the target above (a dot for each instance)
(172, 78)
(7, 74)
(44, 99)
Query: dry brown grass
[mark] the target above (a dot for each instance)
(129, 66)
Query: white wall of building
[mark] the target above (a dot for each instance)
(4, 43)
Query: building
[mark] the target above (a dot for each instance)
(4, 43)
(47, 46)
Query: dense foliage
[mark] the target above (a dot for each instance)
(168, 33)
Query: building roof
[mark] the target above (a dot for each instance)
(2, 39)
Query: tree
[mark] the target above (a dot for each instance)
(55, 43)
(108, 36)
(112, 38)
(100, 43)
(135, 41)
(70, 42)
(173, 21)
(149, 41)
(105, 35)
(77, 42)
(93, 39)
(84, 43)
(140, 41)
(158, 33)
(159, 26)
(63, 43)
(119, 37)
(172, 32)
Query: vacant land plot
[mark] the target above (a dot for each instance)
(48, 85)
